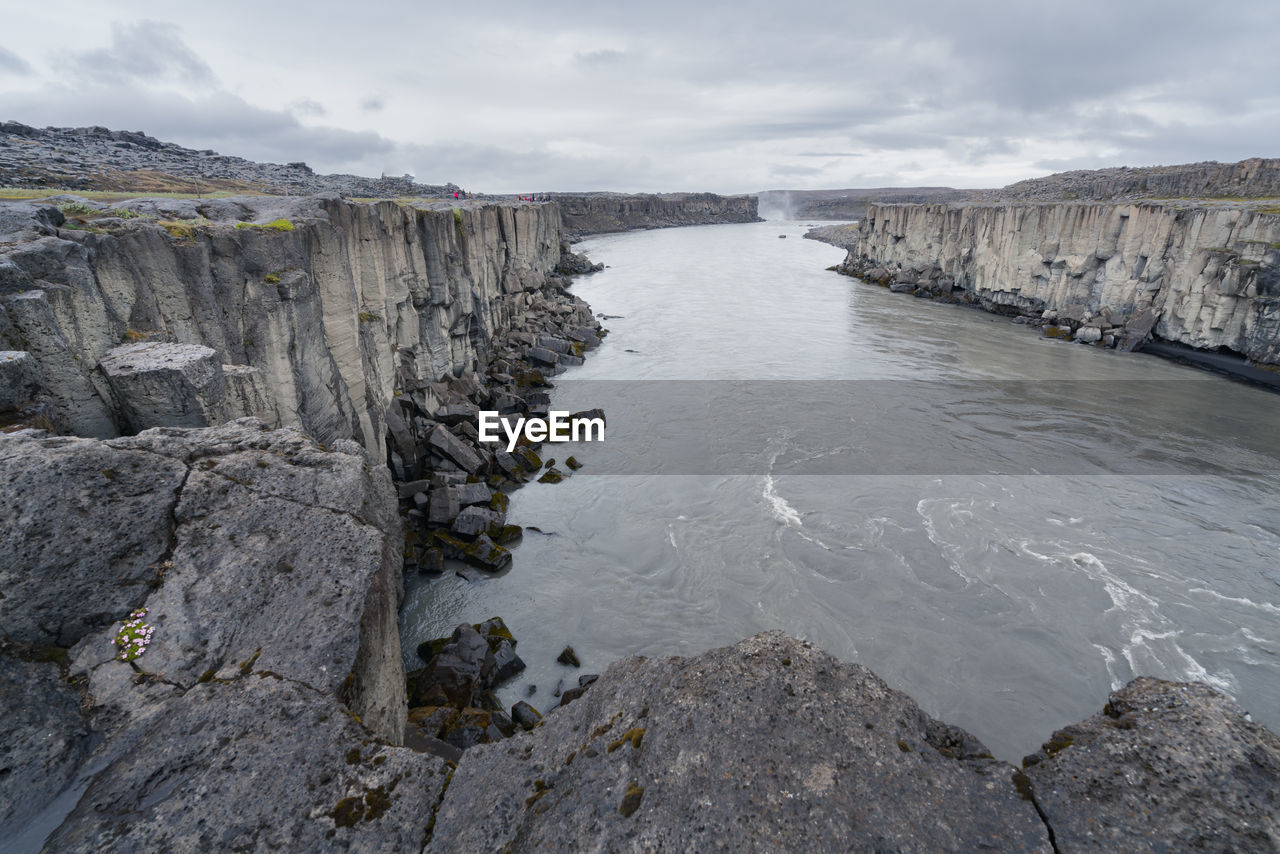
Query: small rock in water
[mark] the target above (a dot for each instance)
(782, 237)
(559, 688)
(573, 463)
(432, 562)
(533, 689)
(468, 574)
(525, 716)
(569, 657)
(571, 695)
(552, 476)
(587, 678)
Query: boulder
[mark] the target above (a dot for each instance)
(444, 506)
(1088, 335)
(542, 356)
(476, 520)
(506, 663)
(450, 446)
(1136, 330)
(472, 493)
(525, 716)
(159, 384)
(456, 672)
(482, 552)
(1163, 767)
(770, 739)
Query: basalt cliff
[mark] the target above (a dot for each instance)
(311, 312)
(1202, 275)
(603, 213)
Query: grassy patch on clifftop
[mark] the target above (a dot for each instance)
(274, 225)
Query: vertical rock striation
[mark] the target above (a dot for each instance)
(601, 213)
(1210, 276)
(317, 310)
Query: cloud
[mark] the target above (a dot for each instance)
(222, 121)
(307, 107)
(142, 52)
(372, 105)
(11, 63)
(596, 58)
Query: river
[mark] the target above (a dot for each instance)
(1005, 527)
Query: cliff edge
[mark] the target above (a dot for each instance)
(1202, 275)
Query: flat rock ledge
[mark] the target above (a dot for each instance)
(774, 745)
(268, 710)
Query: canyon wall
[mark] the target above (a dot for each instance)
(311, 312)
(1210, 276)
(849, 204)
(602, 213)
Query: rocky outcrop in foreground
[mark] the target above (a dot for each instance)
(259, 575)
(602, 213)
(268, 698)
(774, 745)
(1207, 278)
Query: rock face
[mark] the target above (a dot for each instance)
(318, 311)
(601, 213)
(773, 744)
(1210, 276)
(1164, 766)
(770, 743)
(266, 707)
(846, 204)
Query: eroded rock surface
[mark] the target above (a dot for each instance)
(1165, 766)
(769, 744)
(266, 709)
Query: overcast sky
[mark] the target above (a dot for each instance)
(649, 96)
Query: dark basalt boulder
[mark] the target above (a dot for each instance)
(525, 716)
(455, 673)
(1164, 766)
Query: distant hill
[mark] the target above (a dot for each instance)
(97, 158)
(848, 204)
(1253, 178)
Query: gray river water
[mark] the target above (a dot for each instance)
(1003, 526)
